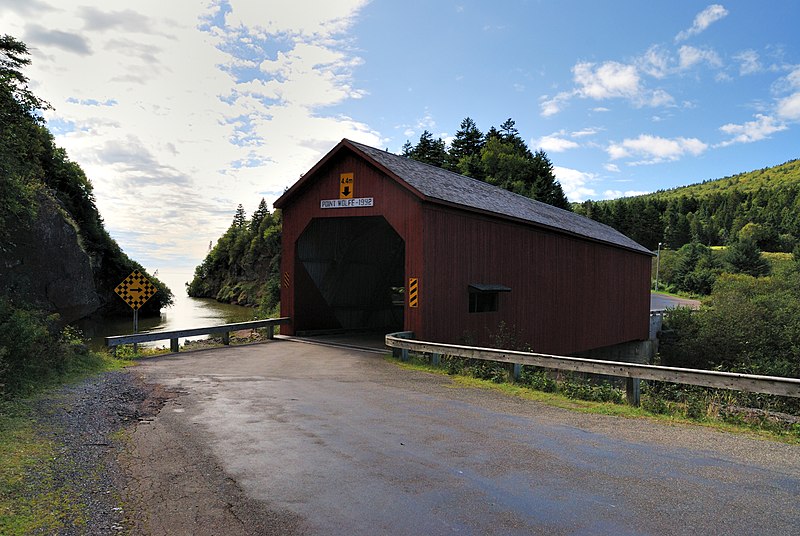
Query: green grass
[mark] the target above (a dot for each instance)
(667, 411)
(41, 505)
(781, 263)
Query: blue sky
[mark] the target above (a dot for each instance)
(179, 111)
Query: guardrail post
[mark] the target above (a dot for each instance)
(404, 355)
(632, 391)
(436, 359)
(517, 370)
(225, 330)
(270, 332)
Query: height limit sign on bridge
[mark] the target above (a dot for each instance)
(136, 289)
(346, 183)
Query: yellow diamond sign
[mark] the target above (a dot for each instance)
(136, 289)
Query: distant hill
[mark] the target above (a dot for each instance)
(763, 205)
(787, 174)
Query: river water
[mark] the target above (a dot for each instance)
(186, 312)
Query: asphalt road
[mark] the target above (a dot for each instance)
(342, 442)
(659, 302)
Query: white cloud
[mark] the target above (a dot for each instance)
(585, 132)
(426, 122)
(656, 62)
(703, 20)
(177, 117)
(555, 143)
(608, 80)
(748, 62)
(573, 182)
(689, 56)
(660, 63)
(657, 98)
(793, 78)
(789, 108)
(613, 168)
(552, 106)
(307, 18)
(648, 149)
(761, 128)
(616, 194)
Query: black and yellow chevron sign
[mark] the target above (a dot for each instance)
(286, 280)
(136, 289)
(413, 292)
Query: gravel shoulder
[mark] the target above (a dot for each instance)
(119, 470)
(84, 421)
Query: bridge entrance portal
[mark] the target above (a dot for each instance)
(350, 275)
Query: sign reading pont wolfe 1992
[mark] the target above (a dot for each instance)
(354, 202)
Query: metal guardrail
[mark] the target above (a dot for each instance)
(174, 335)
(772, 385)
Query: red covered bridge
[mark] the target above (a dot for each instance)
(373, 240)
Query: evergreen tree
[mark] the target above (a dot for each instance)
(465, 151)
(428, 150)
(239, 218)
(258, 216)
(545, 187)
(696, 269)
(492, 134)
(510, 134)
(21, 134)
(505, 167)
(508, 163)
(744, 257)
(677, 230)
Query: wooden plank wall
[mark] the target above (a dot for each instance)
(568, 295)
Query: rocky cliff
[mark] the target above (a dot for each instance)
(42, 263)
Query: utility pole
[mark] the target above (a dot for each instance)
(658, 262)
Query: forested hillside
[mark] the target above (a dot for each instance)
(57, 262)
(761, 205)
(244, 264)
(37, 175)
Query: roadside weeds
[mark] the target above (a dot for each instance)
(672, 414)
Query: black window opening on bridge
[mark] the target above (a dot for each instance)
(357, 266)
(485, 298)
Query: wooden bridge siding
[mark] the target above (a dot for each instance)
(568, 295)
(397, 205)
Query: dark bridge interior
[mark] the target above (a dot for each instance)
(357, 266)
